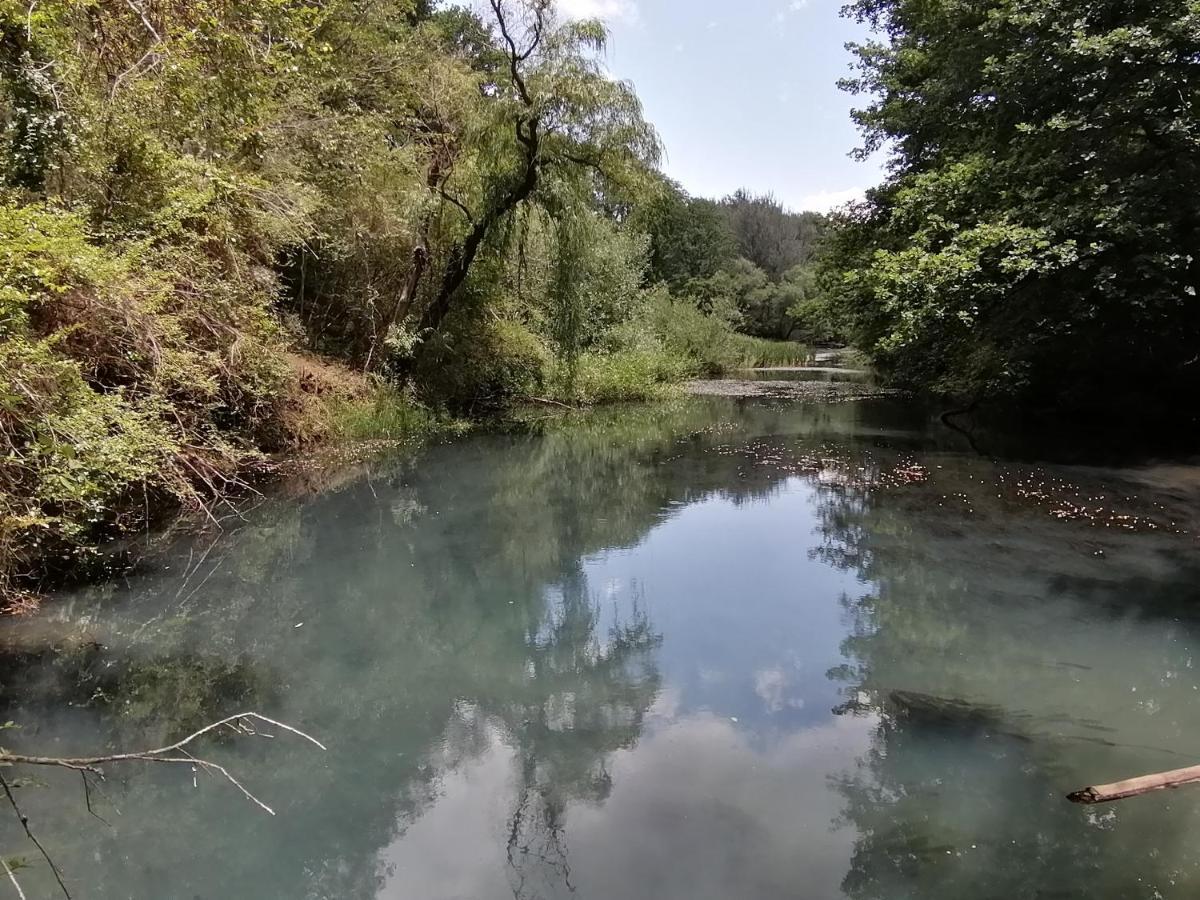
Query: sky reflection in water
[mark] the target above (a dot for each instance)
(723, 649)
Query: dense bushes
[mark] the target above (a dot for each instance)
(131, 378)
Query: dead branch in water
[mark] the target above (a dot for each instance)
(13, 878)
(24, 820)
(175, 754)
(167, 754)
(1133, 787)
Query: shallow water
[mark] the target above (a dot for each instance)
(722, 648)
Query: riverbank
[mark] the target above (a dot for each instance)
(84, 504)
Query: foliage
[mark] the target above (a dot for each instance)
(457, 209)
(707, 340)
(620, 376)
(390, 414)
(771, 237)
(690, 237)
(756, 353)
(766, 308)
(1031, 242)
(117, 385)
(744, 251)
(482, 364)
(175, 173)
(812, 316)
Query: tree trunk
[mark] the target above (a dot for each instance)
(463, 255)
(416, 270)
(399, 309)
(526, 127)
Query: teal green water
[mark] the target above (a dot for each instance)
(719, 649)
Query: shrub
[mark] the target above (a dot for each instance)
(706, 340)
(480, 364)
(130, 378)
(624, 375)
(698, 342)
(754, 352)
(386, 414)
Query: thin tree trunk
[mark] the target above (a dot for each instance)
(526, 127)
(416, 270)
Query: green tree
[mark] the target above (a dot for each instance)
(1037, 236)
(770, 236)
(553, 110)
(689, 236)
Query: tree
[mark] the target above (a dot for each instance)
(553, 110)
(1037, 238)
(689, 236)
(769, 236)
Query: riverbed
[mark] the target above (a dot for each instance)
(798, 642)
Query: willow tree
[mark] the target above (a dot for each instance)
(548, 107)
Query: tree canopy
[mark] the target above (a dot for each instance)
(1038, 235)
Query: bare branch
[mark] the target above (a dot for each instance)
(87, 797)
(150, 54)
(145, 20)
(24, 820)
(450, 198)
(175, 753)
(13, 878)
(587, 163)
(515, 56)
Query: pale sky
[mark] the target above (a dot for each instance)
(743, 94)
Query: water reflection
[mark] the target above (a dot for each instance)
(718, 649)
(1003, 662)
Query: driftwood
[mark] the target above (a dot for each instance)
(1133, 787)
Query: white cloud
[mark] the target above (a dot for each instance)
(609, 10)
(824, 201)
(791, 9)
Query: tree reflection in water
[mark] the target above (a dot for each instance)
(996, 653)
(435, 617)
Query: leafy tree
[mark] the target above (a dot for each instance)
(809, 312)
(689, 236)
(554, 111)
(768, 235)
(1036, 238)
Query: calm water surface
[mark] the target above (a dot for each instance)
(721, 649)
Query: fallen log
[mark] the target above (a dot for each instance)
(1133, 787)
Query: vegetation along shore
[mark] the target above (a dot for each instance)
(233, 230)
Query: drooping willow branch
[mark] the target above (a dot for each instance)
(176, 753)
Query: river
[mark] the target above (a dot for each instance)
(715, 648)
